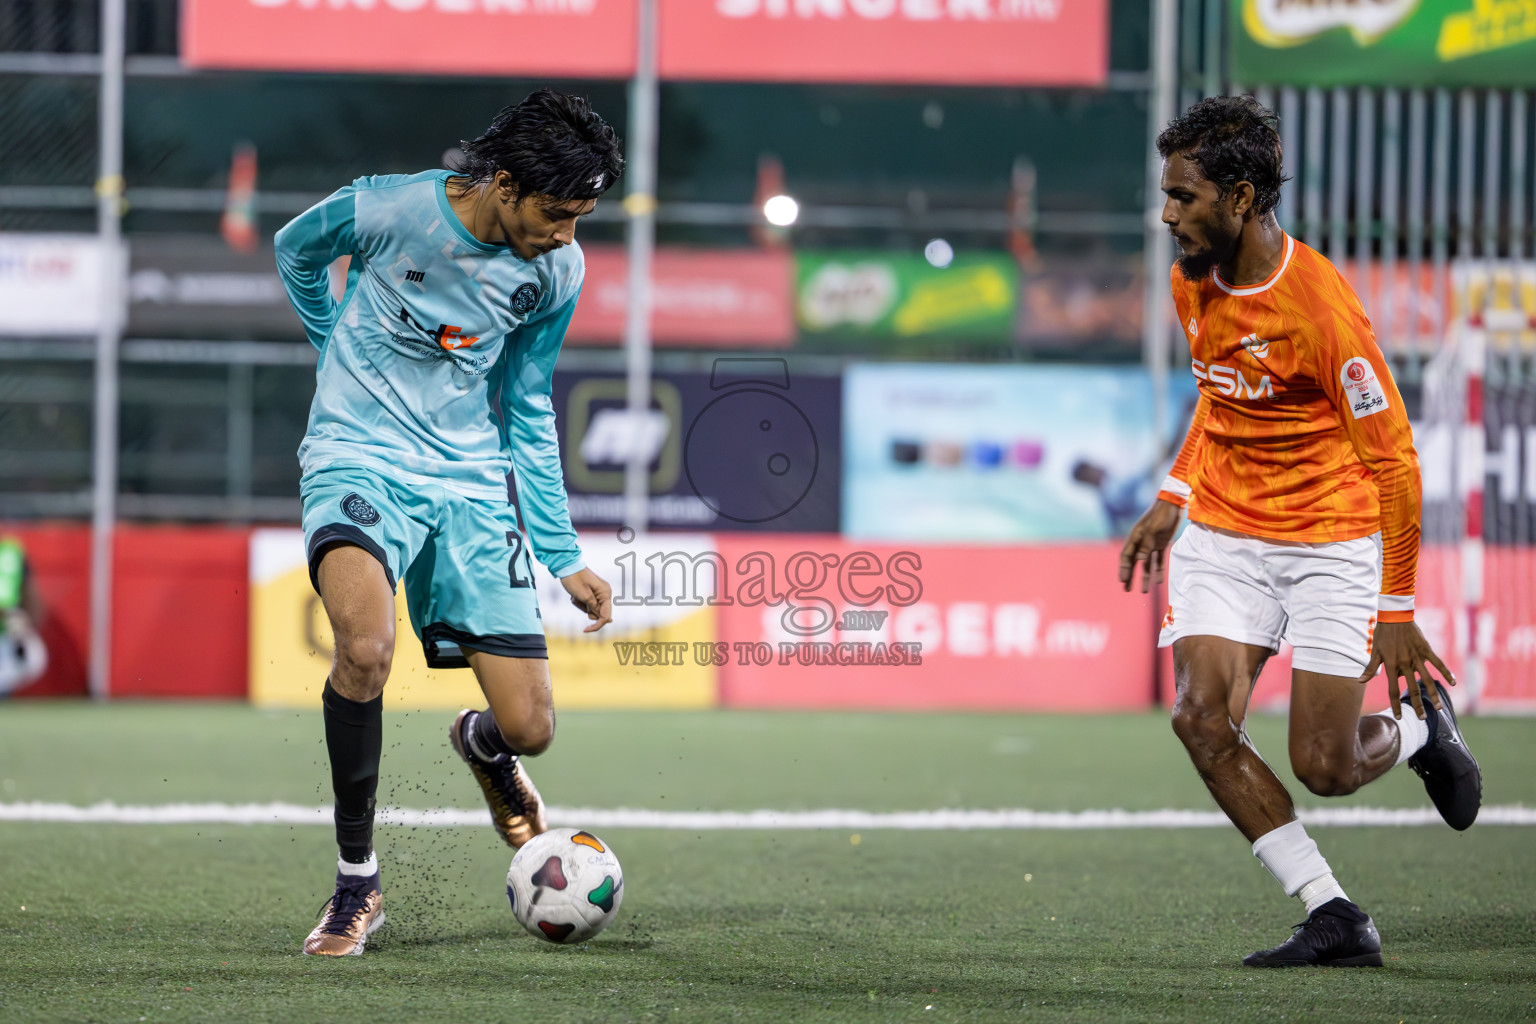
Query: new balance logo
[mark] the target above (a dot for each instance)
(1256, 346)
(415, 275)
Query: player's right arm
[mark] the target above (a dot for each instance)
(306, 247)
(1148, 541)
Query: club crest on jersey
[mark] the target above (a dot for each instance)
(359, 511)
(1257, 347)
(525, 299)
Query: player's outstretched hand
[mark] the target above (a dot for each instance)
(592, 594)
(1407, 655)
(1147, 544)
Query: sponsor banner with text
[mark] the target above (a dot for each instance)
(713, 298)
(291, 642)
(563, 38)
(954, 42)
(930, 627)
(888, 295)
(50, 284)
(1387, 42)
(750, 445)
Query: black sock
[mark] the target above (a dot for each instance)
(487, 736)
(354, 737)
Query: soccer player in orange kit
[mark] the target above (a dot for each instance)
(1302, 487)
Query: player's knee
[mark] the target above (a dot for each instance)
(362, 666)
(1325, 775)
(532, 735)
(1203, 726)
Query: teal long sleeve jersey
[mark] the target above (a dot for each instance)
(435, 366)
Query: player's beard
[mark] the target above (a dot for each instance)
(1220, 244)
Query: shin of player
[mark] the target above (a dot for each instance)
(432, 461)
(1302, 487)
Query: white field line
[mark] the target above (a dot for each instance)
(707, 821)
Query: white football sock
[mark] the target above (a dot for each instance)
(363, 870)
(1291, 856)
(1412, 731)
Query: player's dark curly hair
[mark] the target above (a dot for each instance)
(1233, 139)
(554, 146)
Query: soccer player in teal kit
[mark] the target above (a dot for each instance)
(431, 456)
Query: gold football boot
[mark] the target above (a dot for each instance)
(355, 912)
(517, 811)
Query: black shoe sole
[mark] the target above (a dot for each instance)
(1453, 801)
(1363, 960)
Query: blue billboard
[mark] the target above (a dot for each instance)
(1005, 453)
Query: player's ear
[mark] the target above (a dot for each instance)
(506, 189)
(1242, 199)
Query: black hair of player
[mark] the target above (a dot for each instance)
(1233, 139)
(553, 145)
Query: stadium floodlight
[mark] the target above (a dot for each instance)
(939, 253)
(781, 211)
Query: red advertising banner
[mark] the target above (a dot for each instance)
(179, 600)
(727, 298)
(950, 42)
(567, 38)
(954, 42)
(930, 627)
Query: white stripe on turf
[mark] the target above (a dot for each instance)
(704, 821)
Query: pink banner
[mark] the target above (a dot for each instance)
(929, 627)
(731, 298)
(953, 42)
(566, 38)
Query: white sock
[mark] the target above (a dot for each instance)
(1412, 732)
(363, 870)
(1291, 856)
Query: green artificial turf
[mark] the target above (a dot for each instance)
(198, 922)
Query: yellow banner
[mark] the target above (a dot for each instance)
(291, 643)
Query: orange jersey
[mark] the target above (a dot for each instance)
(1300, 433)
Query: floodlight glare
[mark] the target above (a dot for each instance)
(781, 211)
(939, 253)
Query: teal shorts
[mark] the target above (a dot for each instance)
(468, 575)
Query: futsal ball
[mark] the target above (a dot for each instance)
(565, 885)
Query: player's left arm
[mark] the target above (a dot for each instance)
(527, 411)
(1359, 383)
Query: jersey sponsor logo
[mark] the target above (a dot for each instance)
(450, 337)
(416, 275)
(525, 299)
(1257, 347)
(359, 511)
(1231, 382)
(1362, 389)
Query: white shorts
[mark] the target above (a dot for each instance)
(1321, 598)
